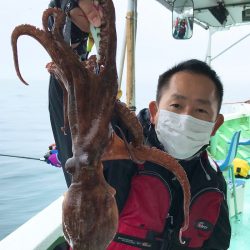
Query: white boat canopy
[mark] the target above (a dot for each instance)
(218, 13)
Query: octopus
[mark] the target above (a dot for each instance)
(89, 210)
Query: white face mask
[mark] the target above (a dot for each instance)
(182, 135)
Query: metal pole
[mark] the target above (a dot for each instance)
(208, 55)
(230, 46)
(122, 60)
(231, 168)
(130, 38)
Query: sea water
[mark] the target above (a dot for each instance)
(26, 186)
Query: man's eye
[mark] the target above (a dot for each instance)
(175, 105)
(202, 111)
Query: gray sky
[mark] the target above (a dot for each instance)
(156, 49)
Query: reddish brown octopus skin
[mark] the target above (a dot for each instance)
(90, 215)
(93, 212)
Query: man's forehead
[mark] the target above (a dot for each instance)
(188, 85)
(186, 81)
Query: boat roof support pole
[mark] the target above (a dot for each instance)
(131, 22)
(209, 45)
(225, 50)
(122, 60)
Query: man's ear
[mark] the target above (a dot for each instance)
(218, 123)
(153, 109)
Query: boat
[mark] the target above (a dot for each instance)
(44, 230)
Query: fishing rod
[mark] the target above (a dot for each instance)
(24, 157)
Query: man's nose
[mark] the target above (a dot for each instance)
(188, 111)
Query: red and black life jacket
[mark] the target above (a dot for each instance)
(150, 220)
(142, 220)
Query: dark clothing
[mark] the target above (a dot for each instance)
(73, 35)
(63, 142)
(208, 190)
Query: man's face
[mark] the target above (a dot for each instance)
(190, 94)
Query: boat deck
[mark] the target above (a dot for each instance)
(241, 227)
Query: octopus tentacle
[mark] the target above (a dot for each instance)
(59, 20)
(108, 43)
(52, 41)
(116, 149)
(32, 31)
(130, 121)
(46, 40)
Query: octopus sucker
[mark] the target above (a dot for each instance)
(90, 214)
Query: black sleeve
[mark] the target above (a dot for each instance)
(79, 37)
(63, 142)
(53, 4)
(120, 129)
(119, 175)
(220, 239)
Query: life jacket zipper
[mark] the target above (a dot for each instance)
(203, 191)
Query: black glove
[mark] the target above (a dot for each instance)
(79, 37)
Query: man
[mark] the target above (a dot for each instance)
(180, 122)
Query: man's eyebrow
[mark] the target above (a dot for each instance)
(182, 97)
(178, 96)
(204, 101)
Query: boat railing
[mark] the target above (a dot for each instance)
(38, 233)
(235, 110)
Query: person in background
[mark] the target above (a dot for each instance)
(79, 16)
(182, 27)
(185, 114)
(76, 32)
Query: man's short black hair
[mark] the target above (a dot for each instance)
(193, 66)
